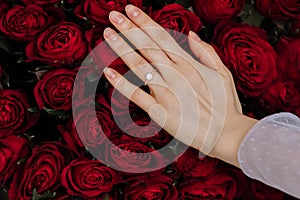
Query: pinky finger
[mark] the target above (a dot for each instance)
(129, 90)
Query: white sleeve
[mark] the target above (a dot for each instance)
(270, 152)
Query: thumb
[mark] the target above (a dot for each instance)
(204, 52)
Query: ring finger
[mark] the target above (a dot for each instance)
(132, 59)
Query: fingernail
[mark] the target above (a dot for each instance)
(109, 73)
(116, 17)
(110, 34)
(132, 11)
(194, 36)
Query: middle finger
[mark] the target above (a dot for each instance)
(146, 46)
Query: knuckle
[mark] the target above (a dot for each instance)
(210, 48)
(140, 63)
(149, 45)
(127, 25)
(121, 48)
(135, 94)
(120, 83)
(163, 35)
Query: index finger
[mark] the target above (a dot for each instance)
(157, 33)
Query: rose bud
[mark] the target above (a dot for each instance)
(54, 90)
(12, 150)
(159, 187)
(101, 52)
(282, 96)
(213, 12)
(127, 155)
(145, 132)
(94, 123)
(279, 10)
(288, 51)
(88, 178)
(14, 116)
(176, 17)
(98, 10)
(71, 138)
(219, 186)
(42, 171)
(191, 164)
(60, 45)
(25, 23)
(245, 50)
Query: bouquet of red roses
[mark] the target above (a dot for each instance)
(53, 147)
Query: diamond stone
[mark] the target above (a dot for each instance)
(149, 76)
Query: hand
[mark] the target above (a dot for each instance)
(196, 102)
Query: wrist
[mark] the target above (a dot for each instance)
(235, 130)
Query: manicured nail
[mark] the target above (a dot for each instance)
(109, 73)
(194, 36)
(132, 11)
(110, 34)
(116, 17)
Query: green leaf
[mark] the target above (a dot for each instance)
(251, 16)
(59, 114)
(33, 109)
(150, 145)
(36, 196)
(3, 193)
(106, 197)
(77, 198)
(175, 147)
(43, 67)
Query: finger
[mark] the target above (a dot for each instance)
(129, 90)
(204, 52)
(157, 33)
(209, 57)
(132, 59)
(139, 39)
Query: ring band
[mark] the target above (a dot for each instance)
(149, 76)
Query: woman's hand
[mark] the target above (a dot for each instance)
(196, 102)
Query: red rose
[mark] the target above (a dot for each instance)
(41, 2)
(142, 131)
(177, 18)
(158, 187)
(247, 53)
(219, 186)
(54, 90)
(127, 155)
(14, 115)
(261, 191)
(60, 45)
(94, 128)
(190, 164)
(71, 137)
(279, 9)
(214, 11)
(41, 172)
(289, 58)
(282, 96)
(98, 10)
(101, 52)
(88, 178)
(25, 23)
(12, 150)
(104, 196)
(120, 105)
